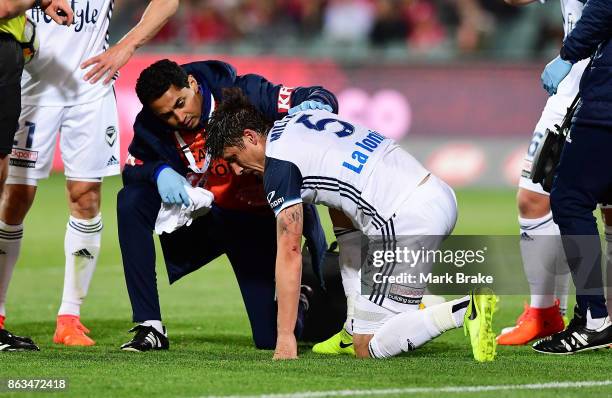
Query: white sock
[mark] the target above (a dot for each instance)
(156, 324)
(349, 244)
(597, 324)
(81, 246)
(409, 330)
(10, 246)
(541, 250)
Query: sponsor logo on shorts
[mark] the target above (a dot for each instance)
(404, 300)
(23, 158)
(112, 161)
(111, 135)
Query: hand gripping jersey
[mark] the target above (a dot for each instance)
(54, 76)
(319, 158)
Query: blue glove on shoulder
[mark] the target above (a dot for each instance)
(554, 73)
(171, 187)
(308, 105)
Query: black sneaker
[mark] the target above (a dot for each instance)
(147, 338)
(10, 342)
(576, 338)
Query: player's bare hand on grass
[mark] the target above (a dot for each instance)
(286, 347)
(108, 63)
(59, 11)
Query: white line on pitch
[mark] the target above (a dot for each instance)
(424, 390)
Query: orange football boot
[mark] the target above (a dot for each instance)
(2, 318)
(70, 331)
(532, 324)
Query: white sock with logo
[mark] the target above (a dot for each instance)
(82, 247)
(541, 250)
(10, 246)
(409, 330)
(349, 244)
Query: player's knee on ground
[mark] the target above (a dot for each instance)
(84, 198)
(16, 202)
(264, 342)
(532, 204)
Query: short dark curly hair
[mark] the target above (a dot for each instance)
(157, 78)
(231, 117)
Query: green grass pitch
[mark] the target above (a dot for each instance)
(211, 351)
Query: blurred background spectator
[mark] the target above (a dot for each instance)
(352, 29)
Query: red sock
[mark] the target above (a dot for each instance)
(2, 318)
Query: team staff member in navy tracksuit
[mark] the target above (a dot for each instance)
(584, 177)
(167, 151)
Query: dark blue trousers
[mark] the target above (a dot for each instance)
(583, 179)
(248, 239)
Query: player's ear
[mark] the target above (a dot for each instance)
(251, 136)
(193, 83)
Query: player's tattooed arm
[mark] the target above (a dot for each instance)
(289, 225)
(290, 221)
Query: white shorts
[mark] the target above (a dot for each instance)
(426, 218)
(553, 113)
(89, 141)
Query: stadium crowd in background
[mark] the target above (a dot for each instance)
(353, 27)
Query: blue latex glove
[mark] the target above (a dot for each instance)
(554, 73)
(308, 105)
(171, 187)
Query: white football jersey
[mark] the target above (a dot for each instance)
(54, 76)
(319, 158)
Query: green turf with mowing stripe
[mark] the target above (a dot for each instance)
(211, 351)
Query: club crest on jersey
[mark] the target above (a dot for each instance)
(111, 135)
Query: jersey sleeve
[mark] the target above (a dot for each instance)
(282, 183)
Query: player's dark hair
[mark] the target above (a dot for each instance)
(157, 78)
(229, 120)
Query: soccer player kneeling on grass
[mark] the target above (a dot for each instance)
(316, 157)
